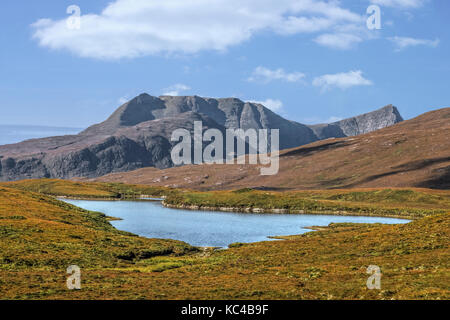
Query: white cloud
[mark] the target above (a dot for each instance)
(123, 100)
(341, 80)
(265, 75)
(133, 28)
(317, 120)
(176, 89)
(405, 42)
(333, 119)
(342, 41)
(400, 3)
(272, 104)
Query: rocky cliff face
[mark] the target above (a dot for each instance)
(361, 124)
(229, 113)
(91, 155)
(371, 121)
(138, 135)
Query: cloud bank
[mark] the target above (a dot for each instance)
(134, 28)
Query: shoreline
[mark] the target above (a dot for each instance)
(282, 211)
(242, 210)
(142, 198)
(209, 249)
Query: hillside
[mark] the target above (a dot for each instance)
(41, 232)
(138, 135)
(413, 153)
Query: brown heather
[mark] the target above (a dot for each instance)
(413, 153)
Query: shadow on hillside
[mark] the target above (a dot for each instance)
(440, 182)
(264, 188)
(337, 183)
(305, 151)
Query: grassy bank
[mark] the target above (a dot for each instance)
(40, 237)
(39, 233)
(403, 203)
(88, 190)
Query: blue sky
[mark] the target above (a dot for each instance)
(311, 61)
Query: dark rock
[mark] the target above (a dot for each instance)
(361, 124)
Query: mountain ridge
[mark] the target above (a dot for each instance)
(361, 124)
(138, 133)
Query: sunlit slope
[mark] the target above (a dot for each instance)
(413, 153)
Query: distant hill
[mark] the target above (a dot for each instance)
(137, 135)
(413, 153)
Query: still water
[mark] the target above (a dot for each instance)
(210, 228)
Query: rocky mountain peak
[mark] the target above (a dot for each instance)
(138, 134)
(365, 123)
(368, 122)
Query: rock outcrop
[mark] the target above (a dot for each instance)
(90, 155)
(361, 124)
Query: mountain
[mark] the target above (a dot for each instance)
(228, 113)
(413, 153)
(364, 123)
(146, 144)
(138, 135)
